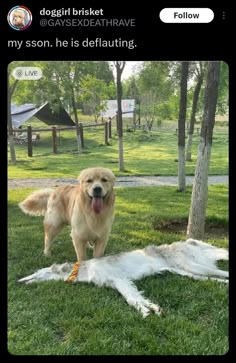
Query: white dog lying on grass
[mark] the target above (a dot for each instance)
(191, 258)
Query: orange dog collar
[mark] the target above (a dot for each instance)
(74, 272)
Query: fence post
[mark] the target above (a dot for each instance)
(29, 138)
(109, 129)
(81, 134)
(54, 139)
(134, 118)
(106, 133)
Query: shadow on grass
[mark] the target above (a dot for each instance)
(214, 228)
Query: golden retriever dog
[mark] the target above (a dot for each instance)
(87, 207)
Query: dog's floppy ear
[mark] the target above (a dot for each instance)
(111, 176)
(82, 175)
(110, 198)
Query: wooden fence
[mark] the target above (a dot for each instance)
(30, 138)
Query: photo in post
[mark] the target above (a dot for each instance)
(64, 127)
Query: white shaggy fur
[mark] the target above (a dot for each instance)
(190, 258)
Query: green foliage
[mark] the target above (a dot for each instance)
(61, 80)
(154, 87)
(131, 89)
(154, 77)
(95, 91)
(223, 93)
(55, 318)
(162, 81)
(90, 82)
(102, 71)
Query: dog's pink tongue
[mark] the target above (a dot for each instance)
(97, 204)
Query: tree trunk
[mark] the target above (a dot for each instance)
(121, 154)
(9, 121)
(196, 221)
(181, 126)
(193, 116)
(119, 70)
(78, 137)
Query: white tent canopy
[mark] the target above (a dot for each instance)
(22, 113)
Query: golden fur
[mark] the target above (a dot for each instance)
(88, 208)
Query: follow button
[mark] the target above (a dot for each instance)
(186, 15)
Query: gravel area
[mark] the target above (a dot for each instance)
(121, 181)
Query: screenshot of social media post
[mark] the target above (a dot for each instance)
(118, 179)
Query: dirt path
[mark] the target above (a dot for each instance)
(121, 181)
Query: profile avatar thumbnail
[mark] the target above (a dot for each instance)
(19, 17)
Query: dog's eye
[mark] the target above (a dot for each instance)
(89, 181)
(104, 180)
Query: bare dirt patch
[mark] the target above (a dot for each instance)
(212, 228)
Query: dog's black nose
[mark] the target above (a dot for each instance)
(97, 192)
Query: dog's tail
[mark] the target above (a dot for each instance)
(36, 203)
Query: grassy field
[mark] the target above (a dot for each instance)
(55, 318)
(143, 155)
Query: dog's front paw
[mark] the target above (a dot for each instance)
(47, 253)
(157, 309)
(145, 312)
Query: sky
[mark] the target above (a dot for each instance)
(128, 70)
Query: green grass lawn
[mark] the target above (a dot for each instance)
(143, 155)
(55, 318)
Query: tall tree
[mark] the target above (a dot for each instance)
(155, 77)
(223, 90)
(103, 71)
(63, 81)
(149, 110)
(10, 91)
(181, 125)
(131, 91)
(94, 92)
(196, 221)
(196, 93)
(119, 69)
